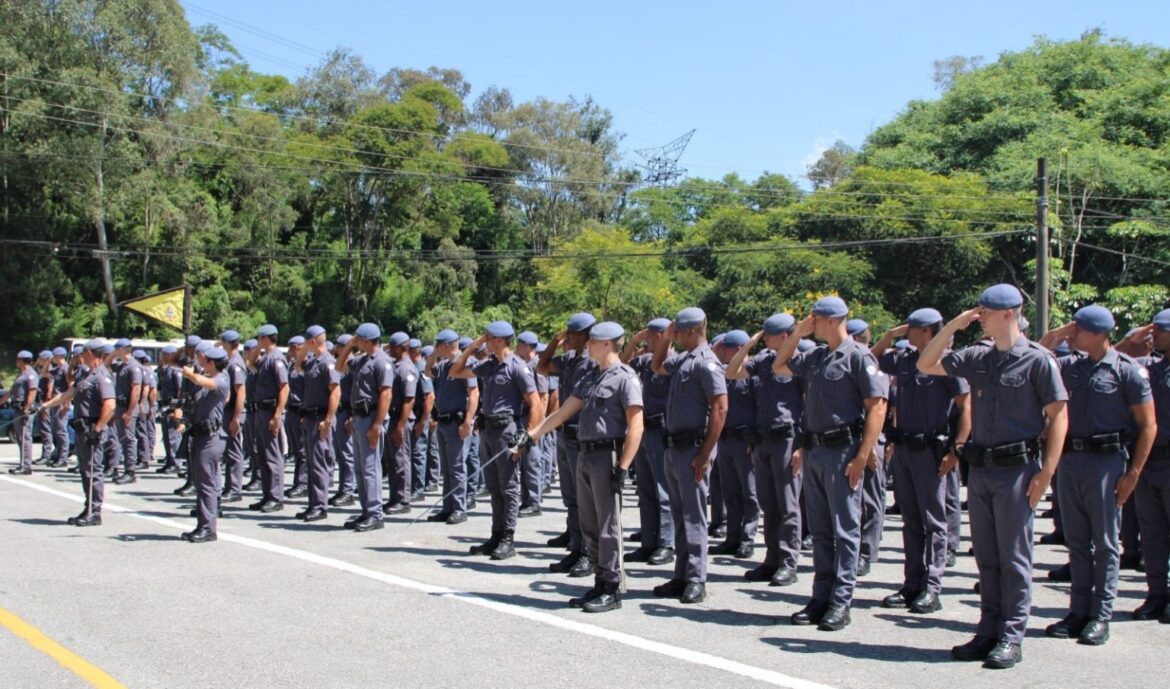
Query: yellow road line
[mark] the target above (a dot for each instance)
(64, 657)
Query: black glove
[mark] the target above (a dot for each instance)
(617, 481)
(518, 440)
(92, 435)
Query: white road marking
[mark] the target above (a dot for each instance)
(695, 657)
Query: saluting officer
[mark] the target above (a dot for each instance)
(206, 439)
(1108, 392)
(322, 395)
(1015, 388)
(59, 371)
(932, 417)
(271, 397)
(373, 384)
(252, 449)
(734, 456)
(128, 386)
(695, 411)
(24, 395)
(343, 350)
(776, 455)
(456, 403)
(508, 385)
(397, 456)
(293, 432)
(608, 399)
(235, 418)
(45, 392)
(532, 465)
(170, 380)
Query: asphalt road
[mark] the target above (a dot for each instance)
(278, 603)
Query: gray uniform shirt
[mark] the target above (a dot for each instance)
(405, 386)
(129, 377)
(1159, 372)
(655, 388)
(96, 387)
(450, 393)
(209, 403)
(271, 374)
(924, 403)
(237, 373)
(569, 368)
(374, 372)
(27, 380)
(606, 395)
(1101, 393)
(1009, 390)
(505, 384)
(839, 381)
(320, 377)
(779, 398)
(695, 377)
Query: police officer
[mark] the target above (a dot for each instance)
(569, 367)
(45, 392)
(1108, 393)
(143, 445)
(608, 399)
(342, 440)
(695, 412)
(1015, 387)
(532, 464)
(235, 417)
(93, 408)
(845, 408)
(59, 372)
(293, 431)
(370, 399)
(322, 395)
(170, 380)
(456, 403)
(733, 456)
(206, 439)
(508, 385)
(475, 487)
(128, 386)
(779, 416)
(1152, 494)
(932, 416)
(397, 456)
(252, 448)
(657, 536)
(271, 397)
(873, 485)
(24, 396)
(424, 402)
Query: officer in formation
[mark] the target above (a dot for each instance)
(253, 451)
(56, 450)
(272, 394)
(343, 350)
(207, 438)
(607, 400)
(695, 413)
(532, 464)
(569, 367)
(318, 413)
(508, 385)
(422, 474)
(1017, 395)
(456, 405)
(170, 379)
(397, 455)
(733, 456)
(293, 438)
(657, 534)
(235, 418)
(23, 394)
(1108, 394)
(128, 392)
(873, 484)
(373, 383)
(147, 409)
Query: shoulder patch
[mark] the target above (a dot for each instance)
(871, 370)
(409, 377)
(1143, 373)
(712, 366)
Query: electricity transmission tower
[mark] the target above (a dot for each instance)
(661, 164)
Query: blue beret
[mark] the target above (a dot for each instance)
(658, 325)
(606, 331)
(202, 348)
(170, 349)
(581, 321)
(193, 340)
(923, 318)
(902, 344)
(296, 340)
(1001, 298)
(779, 323)
(24, 354)
(718, 339)
(428, 350)
(445, 336)
(1162, 320)
(78, 348)
(95, 345)
(805, 345)
(1062, 349)
(481, 348)
(690, 317)
(399, 338)
(268, 330)
(138, 354)
(1095, 319)
(528, 337)
(856, 326)
(328, 346)
(1024, 322)
(368, 331)
(230, 336)
(541, 347)
(45, 354)
(122, 342)
(215, 353)
(464, 342)
(500, 329)
(735, 338)
(344, 338)
(414, 343)
(108, 348)
(59, 351)
(830, 307)
(251, 344)
(314, 331)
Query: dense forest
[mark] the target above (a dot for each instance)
(138, 152)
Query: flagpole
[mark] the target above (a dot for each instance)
(186, 311)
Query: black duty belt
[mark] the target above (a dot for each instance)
(779, 431)
(744, 432)
(1008, 455)
(451, 417)
(570, 431)
(268, 405)
(917, 442)
(1159, 454)
(687, 438)
(837, 436)
(603, 444)
(343, 408)
(83, 423)
(654, 422)
(294, 406)
(1103, 443)
(498, 420)
(251, 406)
(122, 401)
(205, 428)
(316, 412)
(362, 409)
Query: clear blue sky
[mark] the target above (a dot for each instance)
(768, 85)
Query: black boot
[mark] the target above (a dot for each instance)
(589, 595)
(489, 546)
(610, 598)
(504, 550)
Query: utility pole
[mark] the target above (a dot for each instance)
(1040, 325)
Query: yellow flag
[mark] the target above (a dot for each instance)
(164, 307)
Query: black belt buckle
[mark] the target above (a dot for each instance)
(915, 441)
(570, 431)
(605, 444)
(268, 405)
(654, 421)
(782, 431)
(362, 409)
(498, 420)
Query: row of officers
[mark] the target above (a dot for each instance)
(795, 430)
